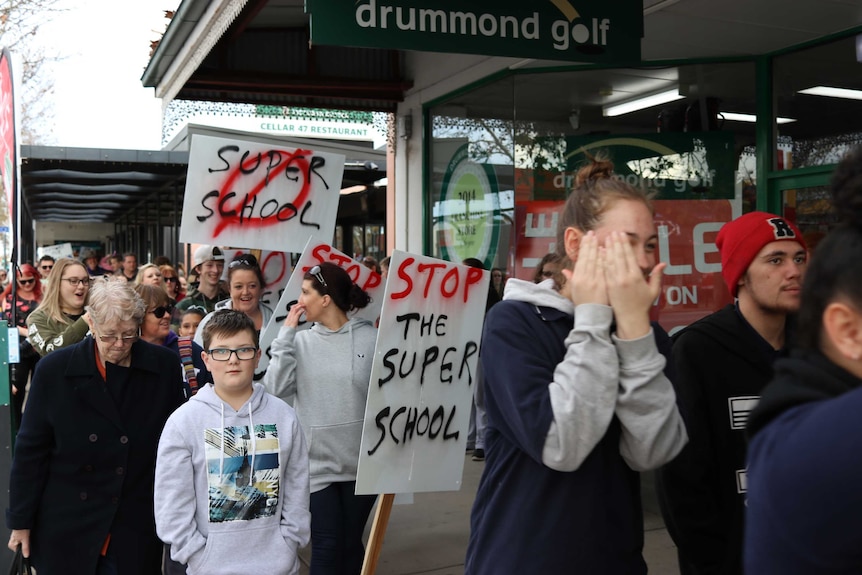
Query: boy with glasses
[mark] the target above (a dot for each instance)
(247, 509)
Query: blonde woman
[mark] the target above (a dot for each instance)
(60, 320)
(149, 274)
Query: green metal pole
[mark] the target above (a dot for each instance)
(765, 136)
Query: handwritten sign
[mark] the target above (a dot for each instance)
(316, 253)
(422, 378)
(257, 195)
(56, 251)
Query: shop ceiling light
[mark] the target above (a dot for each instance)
(737, 117)
(642, 102)
(833, 92)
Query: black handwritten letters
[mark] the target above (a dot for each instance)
(443, 365)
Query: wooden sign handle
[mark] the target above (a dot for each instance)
(378, 531)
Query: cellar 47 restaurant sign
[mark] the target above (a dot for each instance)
(573, 30)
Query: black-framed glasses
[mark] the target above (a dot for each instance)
(27, 282)
(224, 353)
(75, 282)
(171, 279)
(243, 260)
(112, 339)
(160, 311)
(318, 273)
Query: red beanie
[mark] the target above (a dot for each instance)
(740, 240)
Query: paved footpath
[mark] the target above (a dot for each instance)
(429, 536)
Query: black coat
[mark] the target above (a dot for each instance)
(84, 465)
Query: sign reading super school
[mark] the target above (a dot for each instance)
(574, 30)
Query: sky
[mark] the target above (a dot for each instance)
(100, 101)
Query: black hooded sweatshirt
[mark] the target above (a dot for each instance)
(722, 365)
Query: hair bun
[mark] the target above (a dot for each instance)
(599, 168)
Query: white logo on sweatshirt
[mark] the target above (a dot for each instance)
(741, 480)
(739, 408)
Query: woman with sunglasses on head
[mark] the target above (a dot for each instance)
(27, 295)
(60, 320)
(245, 283)
(323, 372)
(81, 485)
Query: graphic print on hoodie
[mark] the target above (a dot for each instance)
(242, 472)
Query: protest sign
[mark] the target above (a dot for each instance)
(423, 376)
(259, 195)
(56, 251)
(316, 253)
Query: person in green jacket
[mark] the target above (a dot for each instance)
(60, 320)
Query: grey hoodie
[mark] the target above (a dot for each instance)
(229, 501)
(324, 374)
(600, 377)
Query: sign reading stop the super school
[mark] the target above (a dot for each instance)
(256, 195)
(423, 376)
(316, 253)
(574, 30)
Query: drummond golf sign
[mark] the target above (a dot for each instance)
(574, 30)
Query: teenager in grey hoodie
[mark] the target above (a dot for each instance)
(246, 509)
(324, 372)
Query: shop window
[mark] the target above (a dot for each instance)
(818, 91)
(504, 157)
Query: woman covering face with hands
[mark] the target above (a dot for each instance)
(576, 395)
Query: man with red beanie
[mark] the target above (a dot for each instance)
(722, 363)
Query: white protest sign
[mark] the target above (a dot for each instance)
(422, 378)
(259, 195)
(56, 251)
(275, 267)
(316, 253)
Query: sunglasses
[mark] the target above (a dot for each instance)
(171, 279)
(46, 267)
(27, 282)
(318, 273)
(547, 274)
(244, 260)
(160, 311)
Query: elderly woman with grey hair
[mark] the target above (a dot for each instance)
(81, 487)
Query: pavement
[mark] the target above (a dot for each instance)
(429, 536)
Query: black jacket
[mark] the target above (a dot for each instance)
(84, 464)
(722, 365)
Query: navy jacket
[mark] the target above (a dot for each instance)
(84, 465)
(804, 471)
(527, 517)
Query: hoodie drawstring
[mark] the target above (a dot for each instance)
(253, 439)
(221, 451)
